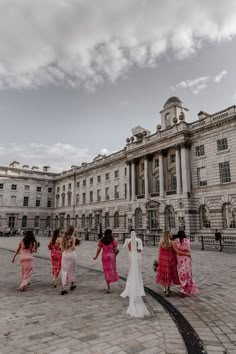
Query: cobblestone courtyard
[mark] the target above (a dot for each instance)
(86, 320)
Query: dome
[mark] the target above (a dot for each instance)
(173, 100)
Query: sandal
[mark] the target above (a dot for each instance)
(63, 292)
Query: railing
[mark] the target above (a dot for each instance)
(224, 241)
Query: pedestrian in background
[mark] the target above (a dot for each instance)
(54, 246)
(108, 245)
(68, 260)
(27, 246)
(218, 238)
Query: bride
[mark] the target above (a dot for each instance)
(134, 284)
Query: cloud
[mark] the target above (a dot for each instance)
(220, 76)
(83, 43)
(196, 85)
(59, 156)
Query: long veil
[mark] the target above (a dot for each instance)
(134, 284)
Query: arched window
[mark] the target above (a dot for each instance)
(116, 220)
(204, 217)
(83, 221)
(138, 218)
(107, 221)
(36, 221)
(90, 221)
(48, 221)
(76, 221)
(24, 221)
(68, 220)
(56, 222)
(228, 216)
(169, 217)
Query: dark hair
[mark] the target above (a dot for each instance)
(107, 238)
(29, 239)
(55, 235)
(181, 235)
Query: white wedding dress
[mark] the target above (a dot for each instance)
(134, 284)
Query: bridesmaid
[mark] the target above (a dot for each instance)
(27, 246)
(109, 250)
(68, 259)
(55, 247)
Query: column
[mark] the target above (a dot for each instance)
(185, 168)
(161, 174)
(133, 189)
(178, 170)
(146, 184)
(128, 182)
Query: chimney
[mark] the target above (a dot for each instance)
(46, 168)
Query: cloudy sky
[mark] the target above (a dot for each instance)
(77, 75)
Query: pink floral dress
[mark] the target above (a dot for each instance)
(109, 261)
(184, 267)
(56, 256)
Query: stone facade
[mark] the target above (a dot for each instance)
(182, 175)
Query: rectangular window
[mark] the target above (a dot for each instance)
(91, 180)
(38, 189)
(77, 184)
(36, 221)
(84, 198)
(1, 185)
(116, 192)
(222, 144)
(156, 163)
(77, 199)
(49, 203)
(27, 188)
(99, 195)
(58, 189)
(173, 182)
(116, 173)
(157, 185)
(125, 171)
(107, 176)
(152, 219)
(37, 204)
(26, 201)
(49, 189)
(84, 183)
(172, 158)
(69, 199)
(91, 196)
(125, 190)
(200, 150)
(63, 188)
(13, 200)
(69, 186)
(24, 221)
(14, 187)
(201, 176)
(98, 179)
(107, 193)
(224, 170)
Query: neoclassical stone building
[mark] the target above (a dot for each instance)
(184, 174)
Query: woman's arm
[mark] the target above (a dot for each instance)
(97, 254)
(16, 253)
(62, 248)
(50, 245)
(175, 248)
(73, 243)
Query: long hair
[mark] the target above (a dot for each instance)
(166, 242)
(29, 239)
(67, 237)
(55, 235)
(107, 238)
(181, 235)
